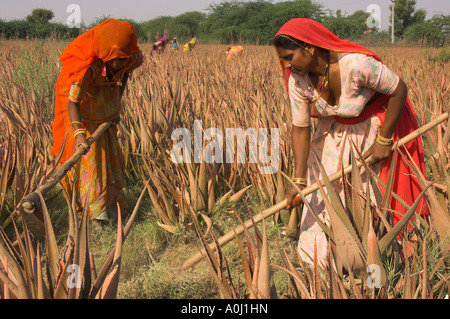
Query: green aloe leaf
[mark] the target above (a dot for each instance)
(349, 247)
(440, 217)
(357, 203)
(334, 199)
(50, 242)
(392, 234)
(315, 215)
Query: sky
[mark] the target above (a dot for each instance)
(143, 10)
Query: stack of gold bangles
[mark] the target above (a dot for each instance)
(78, 131)
(300, 181)
(384, 141)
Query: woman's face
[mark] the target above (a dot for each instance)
(117, 64)
(298, 61)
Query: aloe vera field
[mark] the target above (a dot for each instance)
(194, 229)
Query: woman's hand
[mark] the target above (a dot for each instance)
(116, 121)
(292, 197)
(378, 152)
(300, 139)
(80, 141)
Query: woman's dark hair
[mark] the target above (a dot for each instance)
(289, 43)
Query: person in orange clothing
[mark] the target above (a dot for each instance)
(96, 69)
(235, 51)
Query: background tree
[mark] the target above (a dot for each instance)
(184, 26)
(188, 25)
(250, 22)
(435, 31)
(154, 29)
(258, 27)
(224, 21)
(15, 29)
(405, 15)
(347, 27)
(40, 16)
(288, 10)
(238, 21)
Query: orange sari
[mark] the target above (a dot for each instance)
(98, 178)
(235, 51)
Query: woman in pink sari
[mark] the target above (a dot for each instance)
(359, 102)
(160, 45)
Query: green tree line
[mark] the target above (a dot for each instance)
(36, 25)
(253, 22)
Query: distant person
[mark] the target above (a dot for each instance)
(174, 44)
(359, 102)
(235, 51)
(190, 45)
(160, 45)
(95, 72)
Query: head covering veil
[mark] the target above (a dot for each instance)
(314, 33)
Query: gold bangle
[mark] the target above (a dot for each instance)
(76, 122)
(78, 132)
(383, 143)
(384, 139)
(300, 181)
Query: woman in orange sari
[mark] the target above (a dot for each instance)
(96, 68)
(234, 52)
(359, 102)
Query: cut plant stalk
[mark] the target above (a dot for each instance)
(306, 191)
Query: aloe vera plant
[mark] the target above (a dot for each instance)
(71, 271)
(172, 91)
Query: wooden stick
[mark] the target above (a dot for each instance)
(32, 200)
(308, 190)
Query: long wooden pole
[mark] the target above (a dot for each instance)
(32, 200)
(225, 239)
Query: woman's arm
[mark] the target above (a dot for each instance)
(394, 111)
(75, 116)
(300, 139)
